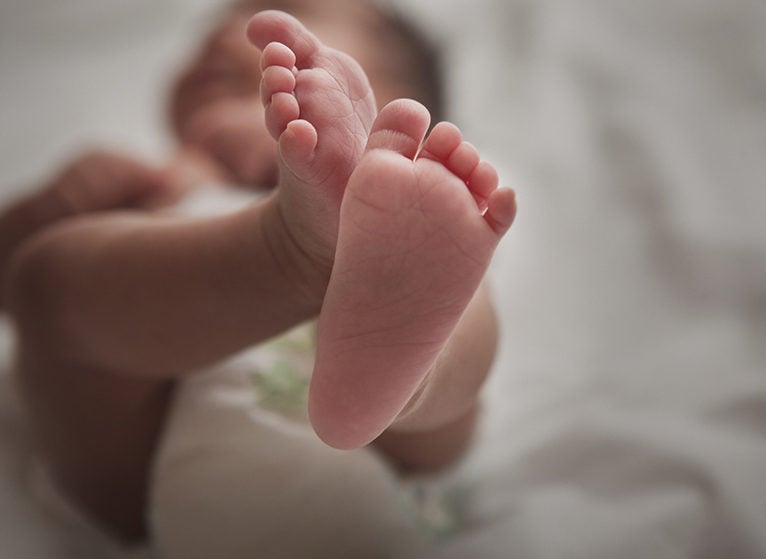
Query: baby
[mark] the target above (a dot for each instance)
(378, 227)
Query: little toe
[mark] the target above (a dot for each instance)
(276, 79)
(277, 54)
(441, 142)
(501, 210)
(463, 161)
(297, 144)
(271, 26)
(282, 110)
(400, 127)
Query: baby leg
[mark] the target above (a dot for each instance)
(73, 399)
(170, 281)
(110, 309)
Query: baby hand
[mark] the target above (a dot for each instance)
(94, 182)
(101, 180)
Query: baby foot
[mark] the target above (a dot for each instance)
(319, 107)
(418, 228)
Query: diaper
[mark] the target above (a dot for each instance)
(241, 474)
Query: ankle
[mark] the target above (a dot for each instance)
(306, 273)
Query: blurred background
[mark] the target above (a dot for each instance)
(627, 411)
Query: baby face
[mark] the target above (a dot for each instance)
(216, 104)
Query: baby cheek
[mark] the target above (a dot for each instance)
(233, 132)
(249, 152)
(252, 157)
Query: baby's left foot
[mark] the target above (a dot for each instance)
(319, 106)
(417, 233)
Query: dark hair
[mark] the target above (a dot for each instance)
(423, 69)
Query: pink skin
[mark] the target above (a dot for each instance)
(101, 341)
(215, 104)
(319, 108)
(408, 235)
(418, 228)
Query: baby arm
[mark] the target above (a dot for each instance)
(159, 295)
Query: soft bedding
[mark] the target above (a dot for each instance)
(627, 412)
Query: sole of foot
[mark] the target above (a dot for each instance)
(419, 223)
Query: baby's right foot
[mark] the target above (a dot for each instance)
(418, 227)
(319, 107)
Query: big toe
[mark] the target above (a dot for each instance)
(272, 26)
(400, 127)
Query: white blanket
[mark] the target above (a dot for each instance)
(630, 416)
(628, 404)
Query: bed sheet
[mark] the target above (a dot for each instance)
(627, 410)
(629, 399)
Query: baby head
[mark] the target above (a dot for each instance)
(215, 103)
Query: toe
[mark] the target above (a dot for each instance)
(400, 127)
(282, 110)
(277, 54)
(483, 182)
(463, 161)
(274, 26)
(501, 210)
(297, 144)
(441, 142)
(276, 79)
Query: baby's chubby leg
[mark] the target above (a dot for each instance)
(184, 293)
(111, 308)
(96, 182)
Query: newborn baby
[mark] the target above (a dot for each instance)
(378, 227)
